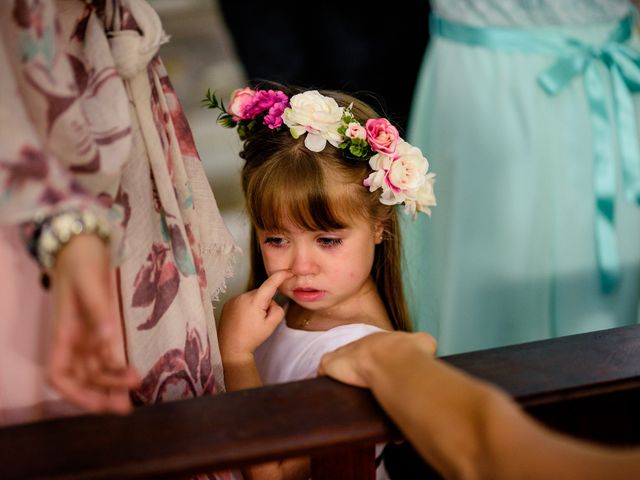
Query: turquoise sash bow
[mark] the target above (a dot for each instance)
(574, 58)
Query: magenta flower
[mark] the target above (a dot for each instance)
(273, 119)
(263, 100)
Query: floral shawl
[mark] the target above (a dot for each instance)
(88, 117)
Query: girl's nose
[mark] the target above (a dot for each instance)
(303, 263)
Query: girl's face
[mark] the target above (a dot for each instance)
(331, 269)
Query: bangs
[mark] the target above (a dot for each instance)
(300, 192)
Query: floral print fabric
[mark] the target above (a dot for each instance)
(76, 132)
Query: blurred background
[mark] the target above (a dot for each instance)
(200, 55)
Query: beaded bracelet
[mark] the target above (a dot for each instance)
(53, 233)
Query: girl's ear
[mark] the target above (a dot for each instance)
(378, 233)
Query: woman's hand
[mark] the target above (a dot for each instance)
(86, 362)
(352, 363)
(248, 319)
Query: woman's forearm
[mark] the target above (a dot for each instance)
(521, 447)
(423, 398)
(468, 429)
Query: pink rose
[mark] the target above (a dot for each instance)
(381, 135)
(241, 100)
(355, 130)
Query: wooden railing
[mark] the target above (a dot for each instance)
(587, 385)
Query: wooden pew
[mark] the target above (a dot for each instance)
(588, 385)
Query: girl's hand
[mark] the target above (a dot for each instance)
(86, 362)
(248, 319)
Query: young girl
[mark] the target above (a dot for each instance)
(321, 180)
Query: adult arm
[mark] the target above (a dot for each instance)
(466, 428)
(86, 355)
(86, 362)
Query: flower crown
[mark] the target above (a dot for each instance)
(399, 169)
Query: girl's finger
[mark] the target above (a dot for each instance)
(265, 292)
(275, 313)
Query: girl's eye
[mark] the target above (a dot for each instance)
(275, 241)
(328, 242)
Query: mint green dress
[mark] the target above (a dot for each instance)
(528, 114)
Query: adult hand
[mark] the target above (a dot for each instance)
(248, 319)
(353, 362)
(86, 362)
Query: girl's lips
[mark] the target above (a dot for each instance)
(308, 294)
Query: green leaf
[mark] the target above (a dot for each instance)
(226, 121)
(210, 100)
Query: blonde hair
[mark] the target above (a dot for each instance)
(284, 182)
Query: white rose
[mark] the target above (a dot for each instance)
(403, 178)
(380, 164)
(318, 116)
(407, 172)
(380, 161)
(426, 197)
